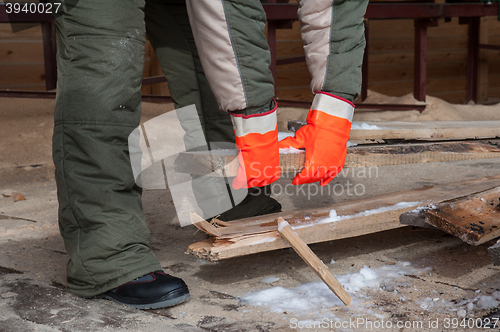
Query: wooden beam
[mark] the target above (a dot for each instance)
(313, 261)
(415, 218)
(431, 130)
(211, 163)
(360, 217)
(474, 219)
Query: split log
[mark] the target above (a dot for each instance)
(224, 162)
(360, 217)
(430, 130)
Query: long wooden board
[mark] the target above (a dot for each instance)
(212, 163)
(260, 234)
(431, 130)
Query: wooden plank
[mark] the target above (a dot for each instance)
(30, 34)
(290, 48)
(403, 87)
(298, 93)
(494, 81)
(404, 29)
(494, 252)
(313, 261)
(22, 75)
(401, 44)
(415, 218)
(299, 76)
(452, 43)
(356, 218)
(292, 78)
(404, 72)
(212, 163)
(293, 66)
(474, 219)
(494, 93)
(19, 52)
(406, 57)
(431, 130)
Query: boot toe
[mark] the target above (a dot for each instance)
(152, 291)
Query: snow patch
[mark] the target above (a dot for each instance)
(462, 308)
(269, 280)
(424, 208)
(264, 240)
(333, 217)
(316, 297)
(365, 126)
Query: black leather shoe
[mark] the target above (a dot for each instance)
(152, 291)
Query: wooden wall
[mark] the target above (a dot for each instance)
(391, 47)
(391, 61)
(21, 60)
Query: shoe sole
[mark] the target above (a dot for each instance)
(155, 305)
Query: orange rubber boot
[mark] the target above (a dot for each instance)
(257, 142)
(324, 137)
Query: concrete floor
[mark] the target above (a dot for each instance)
(32, 255)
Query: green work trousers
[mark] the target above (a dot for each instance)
(100, 66)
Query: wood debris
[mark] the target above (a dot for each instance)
(474, 218)
(360, 217)
(18, 197)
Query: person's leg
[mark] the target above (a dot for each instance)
(180, 62)
(333, 33)
(234, 52)
(235, 55)
(100, 63)
(334, 43)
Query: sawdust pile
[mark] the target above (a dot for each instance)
(436, 110)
